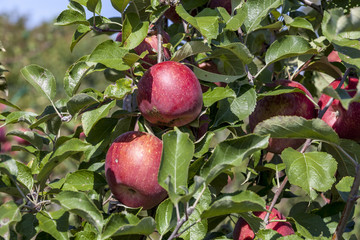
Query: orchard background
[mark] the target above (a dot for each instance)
(75, 93)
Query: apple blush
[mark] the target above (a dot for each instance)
(131, 170)
(169, 94)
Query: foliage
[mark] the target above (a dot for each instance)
(211, 178)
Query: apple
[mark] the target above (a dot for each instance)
(2, 135)
(334, 57)
(287, 104)
(344, 122)
(221, 3)
(150, 44)
(169, 94)
(242, 230)
(210, 66)
(131, 169)
(172, 15)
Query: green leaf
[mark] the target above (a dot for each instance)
(345, 165)
(165, 217)
(94, 6)
(80, 204)
(9, 104)
(55, 223)
(17, 171)
(134, 31)
(231, 153)
(177, 153)
(81, 31)
(310, 171)
(268, 234)
(27, 226)
(41, 79)
(232, 65)
(90, 118)
(127, 224)
(110, 54)
(75, 74)
(239, 50)
(300, 22)
(64, 151)
(32, 137)
(207, 21)
(214, 77)
(344, 187)
(196, 230)
(256, 11)
(79, 102)
(17, 117)
(69, 17)
(119, 90)
(235, 22)
(213, 95)
(10, 214)
(120, 5)
(190, 49)
(84, 180)
(242, 202)
(297, 127)
(286, 47)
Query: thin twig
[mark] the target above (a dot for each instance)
(349, 205)
(305, 65)
(159, 41)
(313, 5)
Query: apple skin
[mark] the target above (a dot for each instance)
(288, 104)
(242, 230)
(2, 135)
(150, 44)
(221, 3)
(172, 15)
(131, 169)
(334, 57)
(344, 122)
(169, 94)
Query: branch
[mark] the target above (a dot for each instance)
(318, 8)
(349, 205)
(160, 40)
(305, 65)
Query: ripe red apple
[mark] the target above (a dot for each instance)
(169, 94)
(2, 135)
(287, 104)
(210, 66)
(344, 122)
(172, 15)
(334, 57)
(242, 230)
(131, 169)
(150, 44)
(221, 3)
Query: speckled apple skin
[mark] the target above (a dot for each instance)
(345, 122)
(288, 104)
(150, 44)
(169, 94)
(131, 169)
(242, 230)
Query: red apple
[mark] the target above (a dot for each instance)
(169, 94)
(131, 169)
(334, 57)
(287, 104)
(172, 15)
(242, 230)
(221, 3)
(344, 122)
(210, 66)
(150, 44)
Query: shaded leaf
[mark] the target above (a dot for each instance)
(9, 214)
(84, 180)
(55, 223)
(190, 49)
(119, 90)
(165, 217)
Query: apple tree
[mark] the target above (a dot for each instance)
(254, 138)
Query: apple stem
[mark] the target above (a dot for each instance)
(318, 8)
(159, 40)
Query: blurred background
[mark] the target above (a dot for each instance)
(29, 36)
